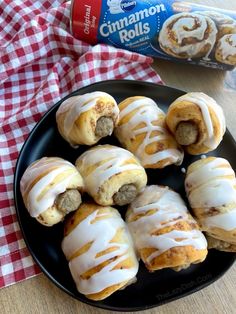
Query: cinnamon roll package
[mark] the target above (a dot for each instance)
(172, 30)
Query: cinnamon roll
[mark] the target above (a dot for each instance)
(226, 50)
(164, 232)
(51, 188)
(85, 119)
(100, 251)
(112, 175)
(224, 23)
(142, 130)
(188, 35)
(197, 122)
(211, 189)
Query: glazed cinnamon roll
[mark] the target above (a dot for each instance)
(142, 131)
(197, 122)
(211, 189)
(85, 119)
(188, 35)
(100, 251)
(112, 175)
(164, 232)
(226, 50)
(224, 23)
(51, 188)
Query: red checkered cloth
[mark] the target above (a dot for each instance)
(41, 62)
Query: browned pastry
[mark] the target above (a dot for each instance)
(112, 175)
(142, 130)
(50, 188)
(85, 119)
(211, 189)
(100, 251)
(164, 232)
(197, 122)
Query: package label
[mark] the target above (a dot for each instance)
(173, 30)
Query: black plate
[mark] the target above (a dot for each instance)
(151, 289)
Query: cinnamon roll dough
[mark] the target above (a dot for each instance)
(51, 188)
(165, 234)
(142, 130)
(112, 175)
(211, 189)
(197, 122)
(100, 251)
(85, 119)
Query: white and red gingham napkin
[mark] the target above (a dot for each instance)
(41, 62)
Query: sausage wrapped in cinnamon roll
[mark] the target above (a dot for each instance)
(100, 251)
(211, 189)
(197, 122)
(164, 232)
(50, 188)
(142, 130)
(85, 119)
(112, 175)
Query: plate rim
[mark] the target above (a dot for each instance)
(42, 268)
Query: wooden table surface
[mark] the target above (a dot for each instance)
(39, 295)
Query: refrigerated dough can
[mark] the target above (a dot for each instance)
(172, 30)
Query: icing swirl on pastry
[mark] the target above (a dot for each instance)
(204, 105)
(108, 161)
(224, 23)
(188, 35)
(213, 185)
(155, 209)
(44, 180)
(145, 112)
(99, 229)
(211, 131)
(74, 106)
(227, 46)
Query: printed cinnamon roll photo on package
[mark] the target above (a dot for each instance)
(172, 30)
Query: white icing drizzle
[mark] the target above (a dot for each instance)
(210, 185)
(169, 209)
(183, 24)
(213, 185)
(147, 111)
(113, 158)
(100, 233)
(227, 45)
(225, 221)
(221, 20)
(205, 103)
(73, 107)
(184, 28)
(36, 204)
